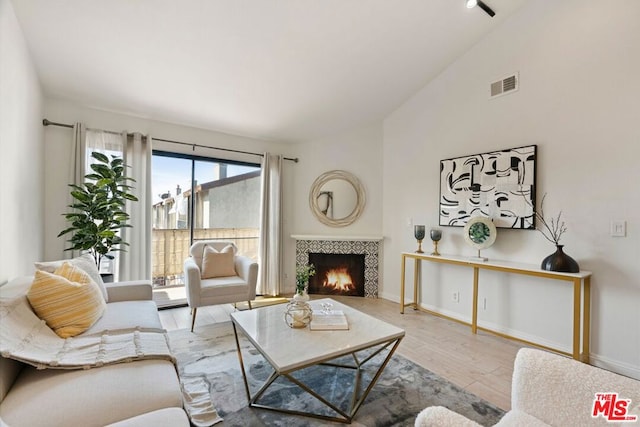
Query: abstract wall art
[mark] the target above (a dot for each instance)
(499, 184)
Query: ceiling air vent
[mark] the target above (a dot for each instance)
(506, 85)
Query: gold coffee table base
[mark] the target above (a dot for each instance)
(357, 398)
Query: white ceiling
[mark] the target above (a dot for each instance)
(284, 70)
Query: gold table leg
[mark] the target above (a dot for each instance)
(244, 374)
(402, 277)
(416, 277)
(474, 314)
(576, 318)
(586, 321)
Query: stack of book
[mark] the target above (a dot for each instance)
(328, 321)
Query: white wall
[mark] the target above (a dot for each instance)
(579, 94)
(21, 212)
(234, 205)
(359, 152)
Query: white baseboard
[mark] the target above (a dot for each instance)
(534, 339)
(609, 364)
(626, 369)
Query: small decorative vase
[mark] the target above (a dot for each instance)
(301, 296)
(298, 314)
(561, 262)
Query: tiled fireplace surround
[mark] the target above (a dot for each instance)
(367, 245)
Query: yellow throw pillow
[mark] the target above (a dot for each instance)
(218, 264)
(69, 301)
(84, 261)
(74, 273)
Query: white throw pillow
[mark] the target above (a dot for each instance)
(218, 264)
(85, 262)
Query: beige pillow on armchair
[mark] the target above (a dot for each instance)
(218, 264)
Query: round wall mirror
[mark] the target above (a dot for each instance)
(337, 198)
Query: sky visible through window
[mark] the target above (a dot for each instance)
(169, 172)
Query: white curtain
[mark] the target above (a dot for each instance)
(76, 169)
(135, 263)
(107, 143)
(270, 255)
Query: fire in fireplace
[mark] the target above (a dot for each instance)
(337, 274)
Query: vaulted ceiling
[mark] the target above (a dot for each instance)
(284, 70)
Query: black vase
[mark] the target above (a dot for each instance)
(561, 262)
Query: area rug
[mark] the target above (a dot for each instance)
(209, 356)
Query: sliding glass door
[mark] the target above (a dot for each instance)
(227, 204)
(197, 198)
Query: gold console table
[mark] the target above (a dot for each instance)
(581, 294)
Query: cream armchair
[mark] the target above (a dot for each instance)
(227, 284)
(552, 390)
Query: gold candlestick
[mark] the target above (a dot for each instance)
(436, 235)
(419, 232)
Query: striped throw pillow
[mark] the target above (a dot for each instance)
(68, 300)
(84, 261)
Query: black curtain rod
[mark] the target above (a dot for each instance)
(46, 122)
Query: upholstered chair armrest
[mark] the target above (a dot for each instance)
(247, 269)
(542, 379)
(132, 290)
(192, 281)
(440, 416)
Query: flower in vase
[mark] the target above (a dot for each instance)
(303, 272)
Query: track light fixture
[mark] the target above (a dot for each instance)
(473, 3)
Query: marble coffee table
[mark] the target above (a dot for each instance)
(291, 349)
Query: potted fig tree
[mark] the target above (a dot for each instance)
(98, 209)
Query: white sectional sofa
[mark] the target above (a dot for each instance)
(133, 394)
(551, 390)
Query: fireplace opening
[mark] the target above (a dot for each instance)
(337, 274)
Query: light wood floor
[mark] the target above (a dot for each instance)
(481, 364)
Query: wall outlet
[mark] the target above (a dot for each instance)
(456, 297)
(618, 228)
(484, 304)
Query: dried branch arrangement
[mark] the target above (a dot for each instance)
(551, 230)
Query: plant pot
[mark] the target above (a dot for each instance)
(107, 277)
(560, 262)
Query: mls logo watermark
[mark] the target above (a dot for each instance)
(612, 408)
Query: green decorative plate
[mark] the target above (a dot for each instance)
(480, 232)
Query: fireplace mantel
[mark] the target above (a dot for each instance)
(330, 244)
(338, 238)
